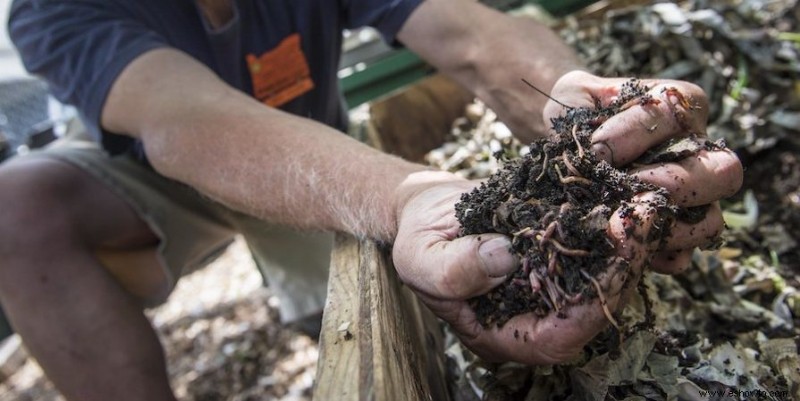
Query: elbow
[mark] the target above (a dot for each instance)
(166, 153)
(183, 146)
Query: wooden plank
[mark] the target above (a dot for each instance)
(377, 342)
(338, 367)
(404, 363)
(417, 120)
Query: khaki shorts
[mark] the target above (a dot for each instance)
(194, 229)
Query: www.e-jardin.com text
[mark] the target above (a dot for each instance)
(746, 394)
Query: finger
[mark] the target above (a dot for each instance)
(696, 180)
(672, 262)
(677, 109)
(629, 228)
(702, 234)
(461, 268)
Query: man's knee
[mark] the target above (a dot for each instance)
(49, 206)
(58, 200)
(35, 204)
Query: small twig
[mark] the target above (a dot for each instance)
(603, 301)
(545, 94)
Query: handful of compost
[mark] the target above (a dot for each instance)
(556, 202)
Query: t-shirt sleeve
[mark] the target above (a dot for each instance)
(79, 48)
(387, 16)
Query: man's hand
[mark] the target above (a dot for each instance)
(677, 109)
(446, 271)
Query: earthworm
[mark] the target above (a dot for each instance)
(568, 251)
(571, 178)
(569, 165)
(602, 298)
(551, 292)
(577, 142)
(544, 167)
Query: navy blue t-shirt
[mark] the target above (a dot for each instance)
(80, 47)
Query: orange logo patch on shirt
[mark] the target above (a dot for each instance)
(281, 74)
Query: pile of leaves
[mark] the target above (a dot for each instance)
(475, 139)
(222, 338)
(743, 53)
(729, 327)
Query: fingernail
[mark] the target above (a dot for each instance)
(497, 258)
(603, 151)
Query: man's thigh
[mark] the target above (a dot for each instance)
(52, 203)
(154, 229)
(191, 230)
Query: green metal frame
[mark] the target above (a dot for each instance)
(560, 8)
(398, 69)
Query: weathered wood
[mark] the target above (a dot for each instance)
(417, 120)
(377, 342)
(338, 367)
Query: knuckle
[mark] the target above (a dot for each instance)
(556, 355)
(672, 262)
(731, 172)
(450, 283)
(714, 221)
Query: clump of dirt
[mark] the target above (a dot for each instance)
(555, 203)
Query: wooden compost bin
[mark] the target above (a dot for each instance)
(378, 341)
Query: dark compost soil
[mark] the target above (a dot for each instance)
(555, 203)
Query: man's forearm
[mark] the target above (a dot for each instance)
(253, 158)
(286, 170)
(490, 53)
